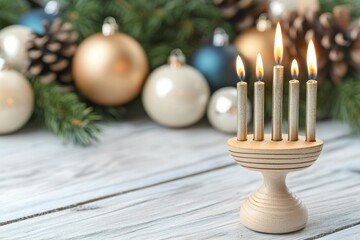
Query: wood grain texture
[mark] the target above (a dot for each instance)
(273, 208)
(351, 233)
(205, 204)
(39, 175)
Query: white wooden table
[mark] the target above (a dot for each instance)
(143, 181)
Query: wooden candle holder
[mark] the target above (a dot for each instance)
(273, 208)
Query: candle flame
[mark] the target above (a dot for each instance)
(294, 69)
(311, 61)
(278, 45)
(259, 68)
(240, 68)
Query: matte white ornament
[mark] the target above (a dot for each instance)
(16, 101)
(13, 40)
(176, 95)
(222, 110)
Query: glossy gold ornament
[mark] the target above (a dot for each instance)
(252, 42)
(109, 68)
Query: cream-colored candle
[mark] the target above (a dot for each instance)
(277, 89)
(293, 117)
(242, 101)
(311, 93)
(259, 93)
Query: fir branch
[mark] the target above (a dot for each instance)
(11, 11)
(109, 113)
(63, 114)
(328, 5)
(159, 26)
(347, 105)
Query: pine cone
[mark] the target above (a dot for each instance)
(341, 42)
(51, 53)
(242, 13)
(299, 29)
(337, 45)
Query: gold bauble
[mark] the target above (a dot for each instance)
(251, 42)
(110, 70)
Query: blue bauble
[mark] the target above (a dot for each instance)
(34, 18)
(218, 65)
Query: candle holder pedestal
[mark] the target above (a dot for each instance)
(273, 208)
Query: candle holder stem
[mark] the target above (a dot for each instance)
(273, 208)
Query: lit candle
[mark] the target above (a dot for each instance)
(242, 101)
(259, 92)
(277, 92)
(311, 92)
(293, 117)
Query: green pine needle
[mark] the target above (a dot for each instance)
(347, 103)
(11, 11)
(63, 114)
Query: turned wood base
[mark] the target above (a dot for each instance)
(273, 208)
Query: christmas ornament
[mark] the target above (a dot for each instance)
(279, 7)
(50, 53)
(16, 100)
(109, 68)
(13, 41)
(34, 18)
(222, 110)
(263, 38)
(242, 13)
(217, 61)
(176, 95)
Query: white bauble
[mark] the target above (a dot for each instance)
(16, 101)
(13, 40)
(222, 110)
(176, 95)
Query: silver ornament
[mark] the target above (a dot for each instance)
(16, 101)
(176, 95)
(222, 110)
(13, 40)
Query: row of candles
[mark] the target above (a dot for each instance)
(277, 96)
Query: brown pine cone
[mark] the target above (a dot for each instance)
(242, 13)
(341, 42)
(299, 29)
(51, 53)
(337, 44)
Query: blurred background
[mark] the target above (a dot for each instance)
(75, 63)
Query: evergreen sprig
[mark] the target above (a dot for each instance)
(347, 103)
(159, 26)
(11, 11)
(63, 114)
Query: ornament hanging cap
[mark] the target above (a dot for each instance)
(109, 26)
(52, 7)
(176, 58)
(220, 38)
(263, 23)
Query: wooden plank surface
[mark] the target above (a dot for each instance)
(351, 233)
(38, 174)
(194, 201)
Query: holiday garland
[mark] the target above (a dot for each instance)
(159, 26)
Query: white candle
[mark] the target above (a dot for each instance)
(277, 92)
(242, 101)
(311, 93)
(293, 117)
